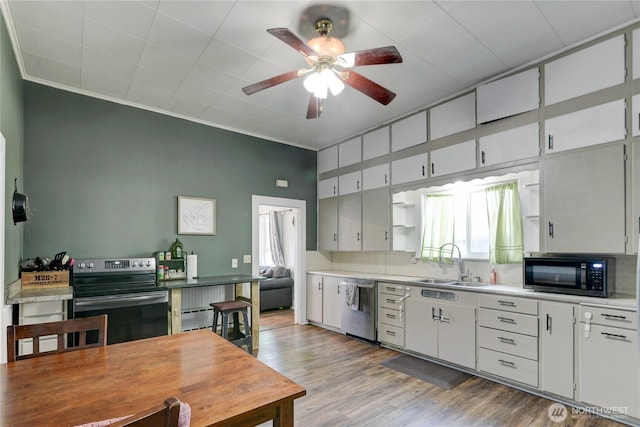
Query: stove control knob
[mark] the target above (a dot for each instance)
(148, 263)
(135, 264)
(82, 265)
(90, 265)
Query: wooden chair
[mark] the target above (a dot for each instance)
(165, 415)
(73, 326)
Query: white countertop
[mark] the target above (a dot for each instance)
(626, 302)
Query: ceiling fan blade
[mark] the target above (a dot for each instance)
(379, 55)
(315, 107)
(292, 40)
(368, 87)
(273, 81)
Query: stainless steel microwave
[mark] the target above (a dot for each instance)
(570, 275)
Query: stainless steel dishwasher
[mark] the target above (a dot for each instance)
(359, 308)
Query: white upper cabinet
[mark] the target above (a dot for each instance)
(409, 169)
(409, 132)
(509, 96)
(635, 115)
(591, 126)
(454, 116)
(328, 159)
(350, 152)
(636, 54)
(375, 144)
(587, 70)
(513, 144)
(350, 183)
(456, 158)
(327, 188)
(375, 177)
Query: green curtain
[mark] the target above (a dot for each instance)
(506, 243)
(439, 224)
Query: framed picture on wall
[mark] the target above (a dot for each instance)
(196, 216)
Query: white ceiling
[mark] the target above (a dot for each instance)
(191, 58)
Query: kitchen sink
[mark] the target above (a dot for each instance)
(451, 282)
(436, 281)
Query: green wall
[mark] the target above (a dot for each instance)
(11, 125)
(103, 180)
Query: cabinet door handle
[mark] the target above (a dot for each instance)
(507, 340)
(548, 323)
(482, 155)
(618, 336)
(550, 143)
(358, 237)
(357, 185)
(550, 229)
(433, 314)
(507, 363)
(334, 190)
(422, 170)
(335, 237)
(319, 286)
(385, 178)
(506, 319)
(613, 316)
(433, 168)
(386, 235)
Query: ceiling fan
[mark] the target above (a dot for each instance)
(330, 67)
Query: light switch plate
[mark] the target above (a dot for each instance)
(246, 259)
(234, 263)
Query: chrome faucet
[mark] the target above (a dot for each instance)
(462, 275)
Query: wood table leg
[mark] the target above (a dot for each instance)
(285, 415)
(254, 298)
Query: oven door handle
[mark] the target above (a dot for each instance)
(117, 301)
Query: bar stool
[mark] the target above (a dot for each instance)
(225, 308)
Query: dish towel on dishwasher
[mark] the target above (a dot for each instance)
(353, 296)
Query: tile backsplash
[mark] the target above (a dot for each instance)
(404, 264)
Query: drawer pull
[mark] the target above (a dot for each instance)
(390, 300)
(507, 303)
(614, 336)
(393, 334)
(390, 316)
(507, 363)
(613, 316)
(390, 289)
(507, 340)
(506, 319)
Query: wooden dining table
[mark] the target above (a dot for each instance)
(224, 385)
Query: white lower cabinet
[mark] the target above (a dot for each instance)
(608, 359)
(314, 297)
(391, 308)
(442, 324)
(324, 300)
(332, 301)
(40, 312)
(557, 347)
(508, 338)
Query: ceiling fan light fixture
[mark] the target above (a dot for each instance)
(327, 46)
(320, 82)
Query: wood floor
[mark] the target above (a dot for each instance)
(347, 386)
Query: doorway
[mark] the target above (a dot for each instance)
(294, 215)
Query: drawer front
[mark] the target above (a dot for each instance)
(511, 367)
(391, 301)
(391, 317)
(392, 288)
(508, 321)
(391, 334)
(43, 308)
(508, 342)
(609, 317)
(517, 305)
